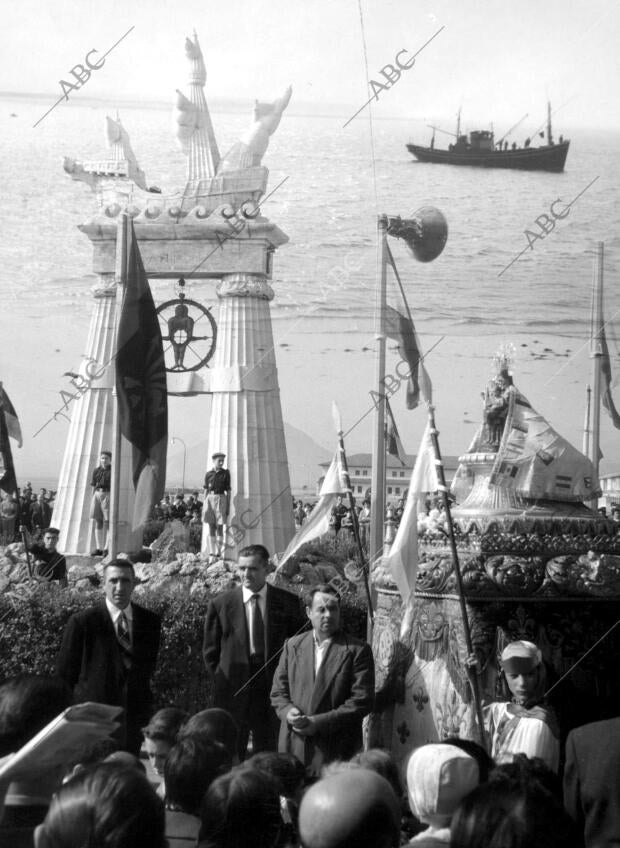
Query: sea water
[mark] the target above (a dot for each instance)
(336, 182)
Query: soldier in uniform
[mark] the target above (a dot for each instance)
(216, 503)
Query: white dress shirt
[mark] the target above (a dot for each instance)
(115, 614)
(320, 649)
(248, 604)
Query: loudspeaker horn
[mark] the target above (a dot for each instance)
(425, 232)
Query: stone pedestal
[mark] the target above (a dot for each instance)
(246, 418)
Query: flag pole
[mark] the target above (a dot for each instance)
(377, 502)
(27, 552)
(471, 672)
(596, 354)
(586, 423)
(356, 529)
(122, 236)
(400, 283)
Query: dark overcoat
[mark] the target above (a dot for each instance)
(91, 662)
(592, 781)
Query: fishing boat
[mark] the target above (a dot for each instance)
(480, 149)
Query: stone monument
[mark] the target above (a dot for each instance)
(212, 230)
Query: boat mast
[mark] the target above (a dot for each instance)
(549, 133)
(458, 124)
(596, 353)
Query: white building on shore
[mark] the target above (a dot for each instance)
(397, 475)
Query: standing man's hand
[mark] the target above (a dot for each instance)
(293, 714)
(300, 723)
(304, 725)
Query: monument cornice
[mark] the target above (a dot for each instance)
(244, 285)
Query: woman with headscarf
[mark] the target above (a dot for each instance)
(439, 776)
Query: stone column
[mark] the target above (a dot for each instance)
(246, 418)
(90, 432)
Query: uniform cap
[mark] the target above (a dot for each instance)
(520, 657)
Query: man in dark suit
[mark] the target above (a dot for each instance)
(323, 687)
(244, 631)
(109, 652)
(40, 514)
(592, 782)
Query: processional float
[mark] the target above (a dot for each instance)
(537, 564)
(211, 230)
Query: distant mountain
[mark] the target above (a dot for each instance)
(304, 458)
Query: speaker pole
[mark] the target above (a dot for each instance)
(377, 501)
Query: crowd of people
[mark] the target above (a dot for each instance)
(199, 792)
(31, 509)
(179, 507)
(278, 759)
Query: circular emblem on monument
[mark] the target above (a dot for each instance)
(189, 333)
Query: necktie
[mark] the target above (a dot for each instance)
(122, 632)
(258, 628)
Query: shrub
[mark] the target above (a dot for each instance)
(32, 623)
(31, 628)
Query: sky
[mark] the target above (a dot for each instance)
(496, 60)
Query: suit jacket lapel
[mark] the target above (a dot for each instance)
(106, 622)
(328, 671)
(237, 614)
(303, 673)
(272, 611)
(109, 635)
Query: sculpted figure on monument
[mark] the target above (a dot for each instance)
(180, 330)
(496, 400)
(250, 149)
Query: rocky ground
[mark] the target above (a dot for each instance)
(173, 567)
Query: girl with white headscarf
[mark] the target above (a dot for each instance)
(439, 776)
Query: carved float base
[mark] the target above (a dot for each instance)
(420, 673)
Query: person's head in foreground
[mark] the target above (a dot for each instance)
(438, 778)
(527, 771)
(523, 668)
(191, 767)
(284, 768)
(356, 808)
(214, 724)
(241, 810)
(160, 734)
(381, 762)
(104, 806)
(513, 814)
(28, 703)
(480, 755)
